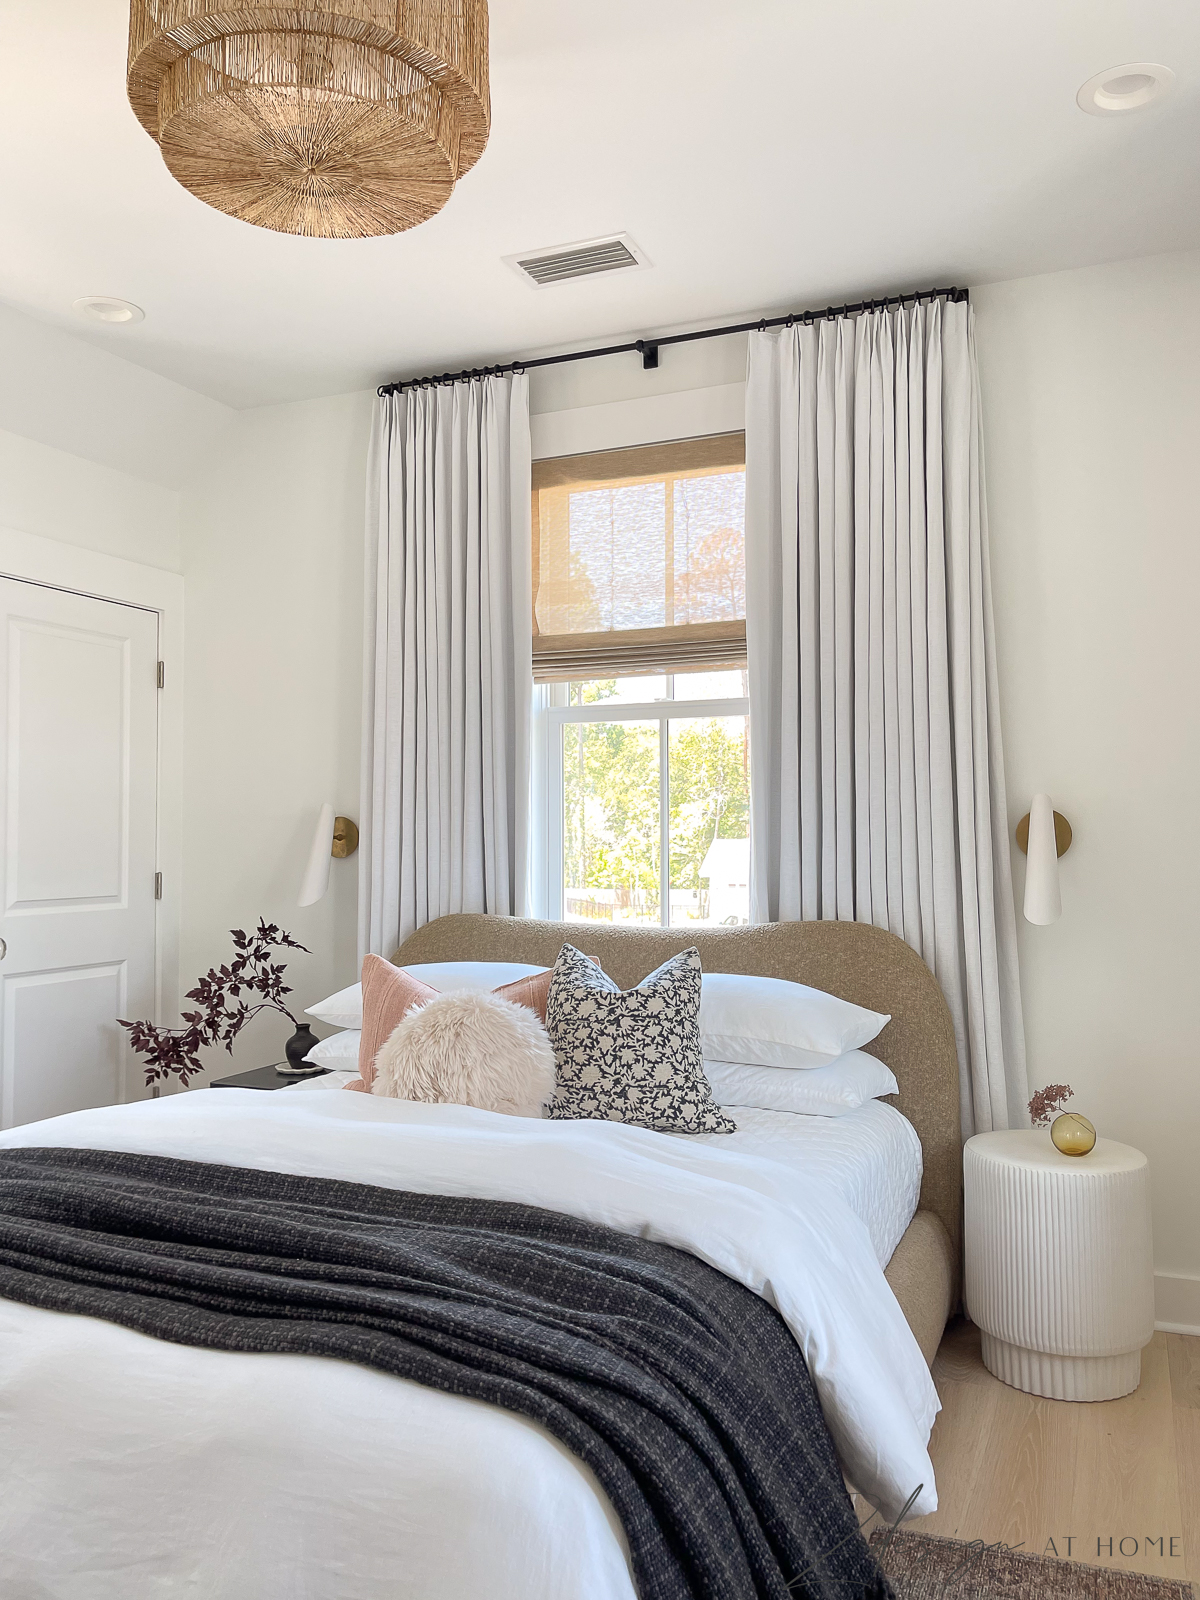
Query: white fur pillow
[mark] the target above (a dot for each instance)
(469, 1050)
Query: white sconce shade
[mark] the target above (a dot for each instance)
(1043, 899)
(316, 874)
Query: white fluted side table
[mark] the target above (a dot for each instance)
(1059, 1270)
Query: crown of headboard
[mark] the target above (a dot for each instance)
(866, 965)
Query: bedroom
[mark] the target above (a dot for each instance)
(206, 471)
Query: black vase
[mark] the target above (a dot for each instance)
(298, 1046)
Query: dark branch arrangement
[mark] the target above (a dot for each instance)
(225, 1003)
(1048, 1102)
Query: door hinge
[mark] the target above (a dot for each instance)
(162, 674)
(158, 885)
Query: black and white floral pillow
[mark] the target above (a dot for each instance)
(630, 1055)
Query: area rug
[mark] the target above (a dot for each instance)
(924, 1567)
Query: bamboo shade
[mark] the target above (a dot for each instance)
(333, 118)
(639, 560)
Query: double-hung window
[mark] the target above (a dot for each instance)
(642, 736)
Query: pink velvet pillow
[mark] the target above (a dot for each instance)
(389, 993)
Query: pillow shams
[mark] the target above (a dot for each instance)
(344, 1009)
(831, 1091)
(770, 1022)
(340, 1050)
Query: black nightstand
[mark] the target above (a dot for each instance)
(263, 1078)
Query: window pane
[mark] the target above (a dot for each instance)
(709, 547)
(654, 540)
(609, 571)
(709, 764)
(611, 822)
(621, 691)
(711, 685)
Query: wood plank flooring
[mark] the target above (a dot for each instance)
(1037, 1473)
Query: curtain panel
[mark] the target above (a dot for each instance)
(447, 677)
(877, 782)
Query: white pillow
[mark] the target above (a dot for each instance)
(340, 1050)
(829, 1091)
(769, 1022)
(341, 1010)
(344, 1009)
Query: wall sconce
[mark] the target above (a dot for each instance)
(1044, 835)
(335, 836)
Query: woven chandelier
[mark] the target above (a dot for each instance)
(339, 119)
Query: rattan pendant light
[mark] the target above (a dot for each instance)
(338, 119)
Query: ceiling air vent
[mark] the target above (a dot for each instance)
(541, 268)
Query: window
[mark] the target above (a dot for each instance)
(639, 650)
(639, 560)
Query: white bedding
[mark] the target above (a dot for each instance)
(871, 1157)
(131, 1468)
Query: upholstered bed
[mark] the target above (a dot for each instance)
(865, 965)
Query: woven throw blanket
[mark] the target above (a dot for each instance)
(683, 1391)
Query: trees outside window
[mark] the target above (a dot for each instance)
(653, 801)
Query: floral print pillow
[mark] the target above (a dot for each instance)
(630, 1055)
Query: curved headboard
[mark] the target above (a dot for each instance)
(865, 965)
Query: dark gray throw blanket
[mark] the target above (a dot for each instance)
(682, 1390)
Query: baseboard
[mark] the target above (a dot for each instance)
(1176, 1303)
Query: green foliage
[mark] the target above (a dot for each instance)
(611, 801)
(610, 810)
(709, 793)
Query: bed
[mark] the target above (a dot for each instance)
(133, 1467)
(866, 965)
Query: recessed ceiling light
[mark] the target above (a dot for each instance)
(1126, 88)
(105, 309)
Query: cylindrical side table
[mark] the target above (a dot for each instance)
(1059, 1269)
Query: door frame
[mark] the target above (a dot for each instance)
(31, 558)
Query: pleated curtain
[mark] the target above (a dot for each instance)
(877, 782)
(448, 664)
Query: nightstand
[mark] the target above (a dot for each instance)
(1059, 1265)
(263, 1078)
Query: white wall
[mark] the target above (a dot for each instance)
(61, 496)
(94, 450)
(1092, 420)
(273, 575)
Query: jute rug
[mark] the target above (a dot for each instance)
(924, 1567)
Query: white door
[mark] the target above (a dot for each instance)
(78, 790)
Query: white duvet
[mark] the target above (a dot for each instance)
(131, 1468)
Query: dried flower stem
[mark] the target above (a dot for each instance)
(1048, 1102)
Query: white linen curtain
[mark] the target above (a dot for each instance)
(877, 782)
(448, 676)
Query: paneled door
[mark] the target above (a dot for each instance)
(79, 746)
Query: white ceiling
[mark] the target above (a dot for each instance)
(767, 154)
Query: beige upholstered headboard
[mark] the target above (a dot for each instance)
(862, 964)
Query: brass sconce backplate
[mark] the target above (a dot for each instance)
(1062, 834)
(345, 837)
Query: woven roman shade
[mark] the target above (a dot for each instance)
(639, 560)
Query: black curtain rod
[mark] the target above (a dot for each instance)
(648, 348)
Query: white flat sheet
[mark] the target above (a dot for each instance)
(131, 1468)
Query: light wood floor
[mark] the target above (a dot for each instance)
(1014, 1467)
